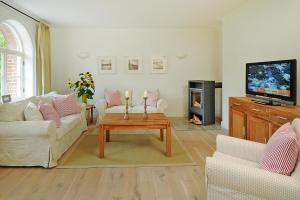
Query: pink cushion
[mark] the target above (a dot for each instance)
(66, 105)
(281, 153)
(113, 98)
(49, 113)
(152, 98)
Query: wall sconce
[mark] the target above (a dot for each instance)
(83, 55)
(182, 56)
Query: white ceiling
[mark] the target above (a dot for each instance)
(130, 13)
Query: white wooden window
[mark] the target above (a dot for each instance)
(12, 62)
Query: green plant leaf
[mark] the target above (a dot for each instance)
(89, 92)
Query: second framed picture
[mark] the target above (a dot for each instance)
(159, 64)
(134, 64)
(107, 65)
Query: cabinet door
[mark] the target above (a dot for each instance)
(273, 127)
(237, 123)
(257, 129)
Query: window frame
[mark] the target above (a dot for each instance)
(19, 53)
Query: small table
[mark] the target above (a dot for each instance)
(90, 109)
(113, 121)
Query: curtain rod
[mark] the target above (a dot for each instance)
(19, 11)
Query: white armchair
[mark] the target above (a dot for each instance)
(135, 105)
(233, 172)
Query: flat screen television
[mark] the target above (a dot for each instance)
(275, 79)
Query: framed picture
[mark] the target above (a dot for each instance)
(159, 64)
(133, 64)
(107, 65)
(6, 98)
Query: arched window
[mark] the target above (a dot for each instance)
(15, 51)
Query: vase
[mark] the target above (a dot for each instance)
(84, 98)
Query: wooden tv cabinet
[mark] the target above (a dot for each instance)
(256, 122)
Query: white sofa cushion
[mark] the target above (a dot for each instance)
(14, 111)
(11, 112)
(67, 123)
(140, 109)
(117, 109)
(137, 96)
(46, 98)
(32, 113)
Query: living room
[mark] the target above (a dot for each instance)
(136, 60)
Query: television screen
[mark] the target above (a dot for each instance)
(272, 78)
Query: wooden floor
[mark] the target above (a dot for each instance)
(179, 183)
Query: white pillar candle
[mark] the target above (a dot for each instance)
(126, 94)
(145, 93)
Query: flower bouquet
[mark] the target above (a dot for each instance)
(84, 87)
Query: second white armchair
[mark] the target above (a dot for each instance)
(233, 172)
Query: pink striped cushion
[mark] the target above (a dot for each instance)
(49, 113)
(66, 105)
(152, 98)
(281, 153)
(113, 98)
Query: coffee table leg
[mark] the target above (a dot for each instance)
(107, 136)
(168, 142)
(101, 142)
(161, 134)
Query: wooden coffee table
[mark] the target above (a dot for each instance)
(114, 121)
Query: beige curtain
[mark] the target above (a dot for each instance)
(43, 60)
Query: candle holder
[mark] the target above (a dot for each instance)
(145, 115)
(126, 116)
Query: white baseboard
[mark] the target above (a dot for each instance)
(224, 126)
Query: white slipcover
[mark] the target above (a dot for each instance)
(39, 143)
(134, 104)
(233, 172)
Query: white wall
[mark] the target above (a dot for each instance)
(201, 46)
(257, 31)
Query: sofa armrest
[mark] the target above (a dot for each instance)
(240, 148)
(101, 106)
(83, 114)
(250, 180)
(82, 106)
(162, 105)
(23, 129)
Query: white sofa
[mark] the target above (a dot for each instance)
(38, 143)
(233, 172)
(135, 104)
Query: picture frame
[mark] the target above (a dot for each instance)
(107, 65)
(134, 64)
(159, 65)
(6, 98)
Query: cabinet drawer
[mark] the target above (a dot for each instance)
(237, 105)
(280, 117)
(257, 110)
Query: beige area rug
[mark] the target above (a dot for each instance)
(126, 150)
